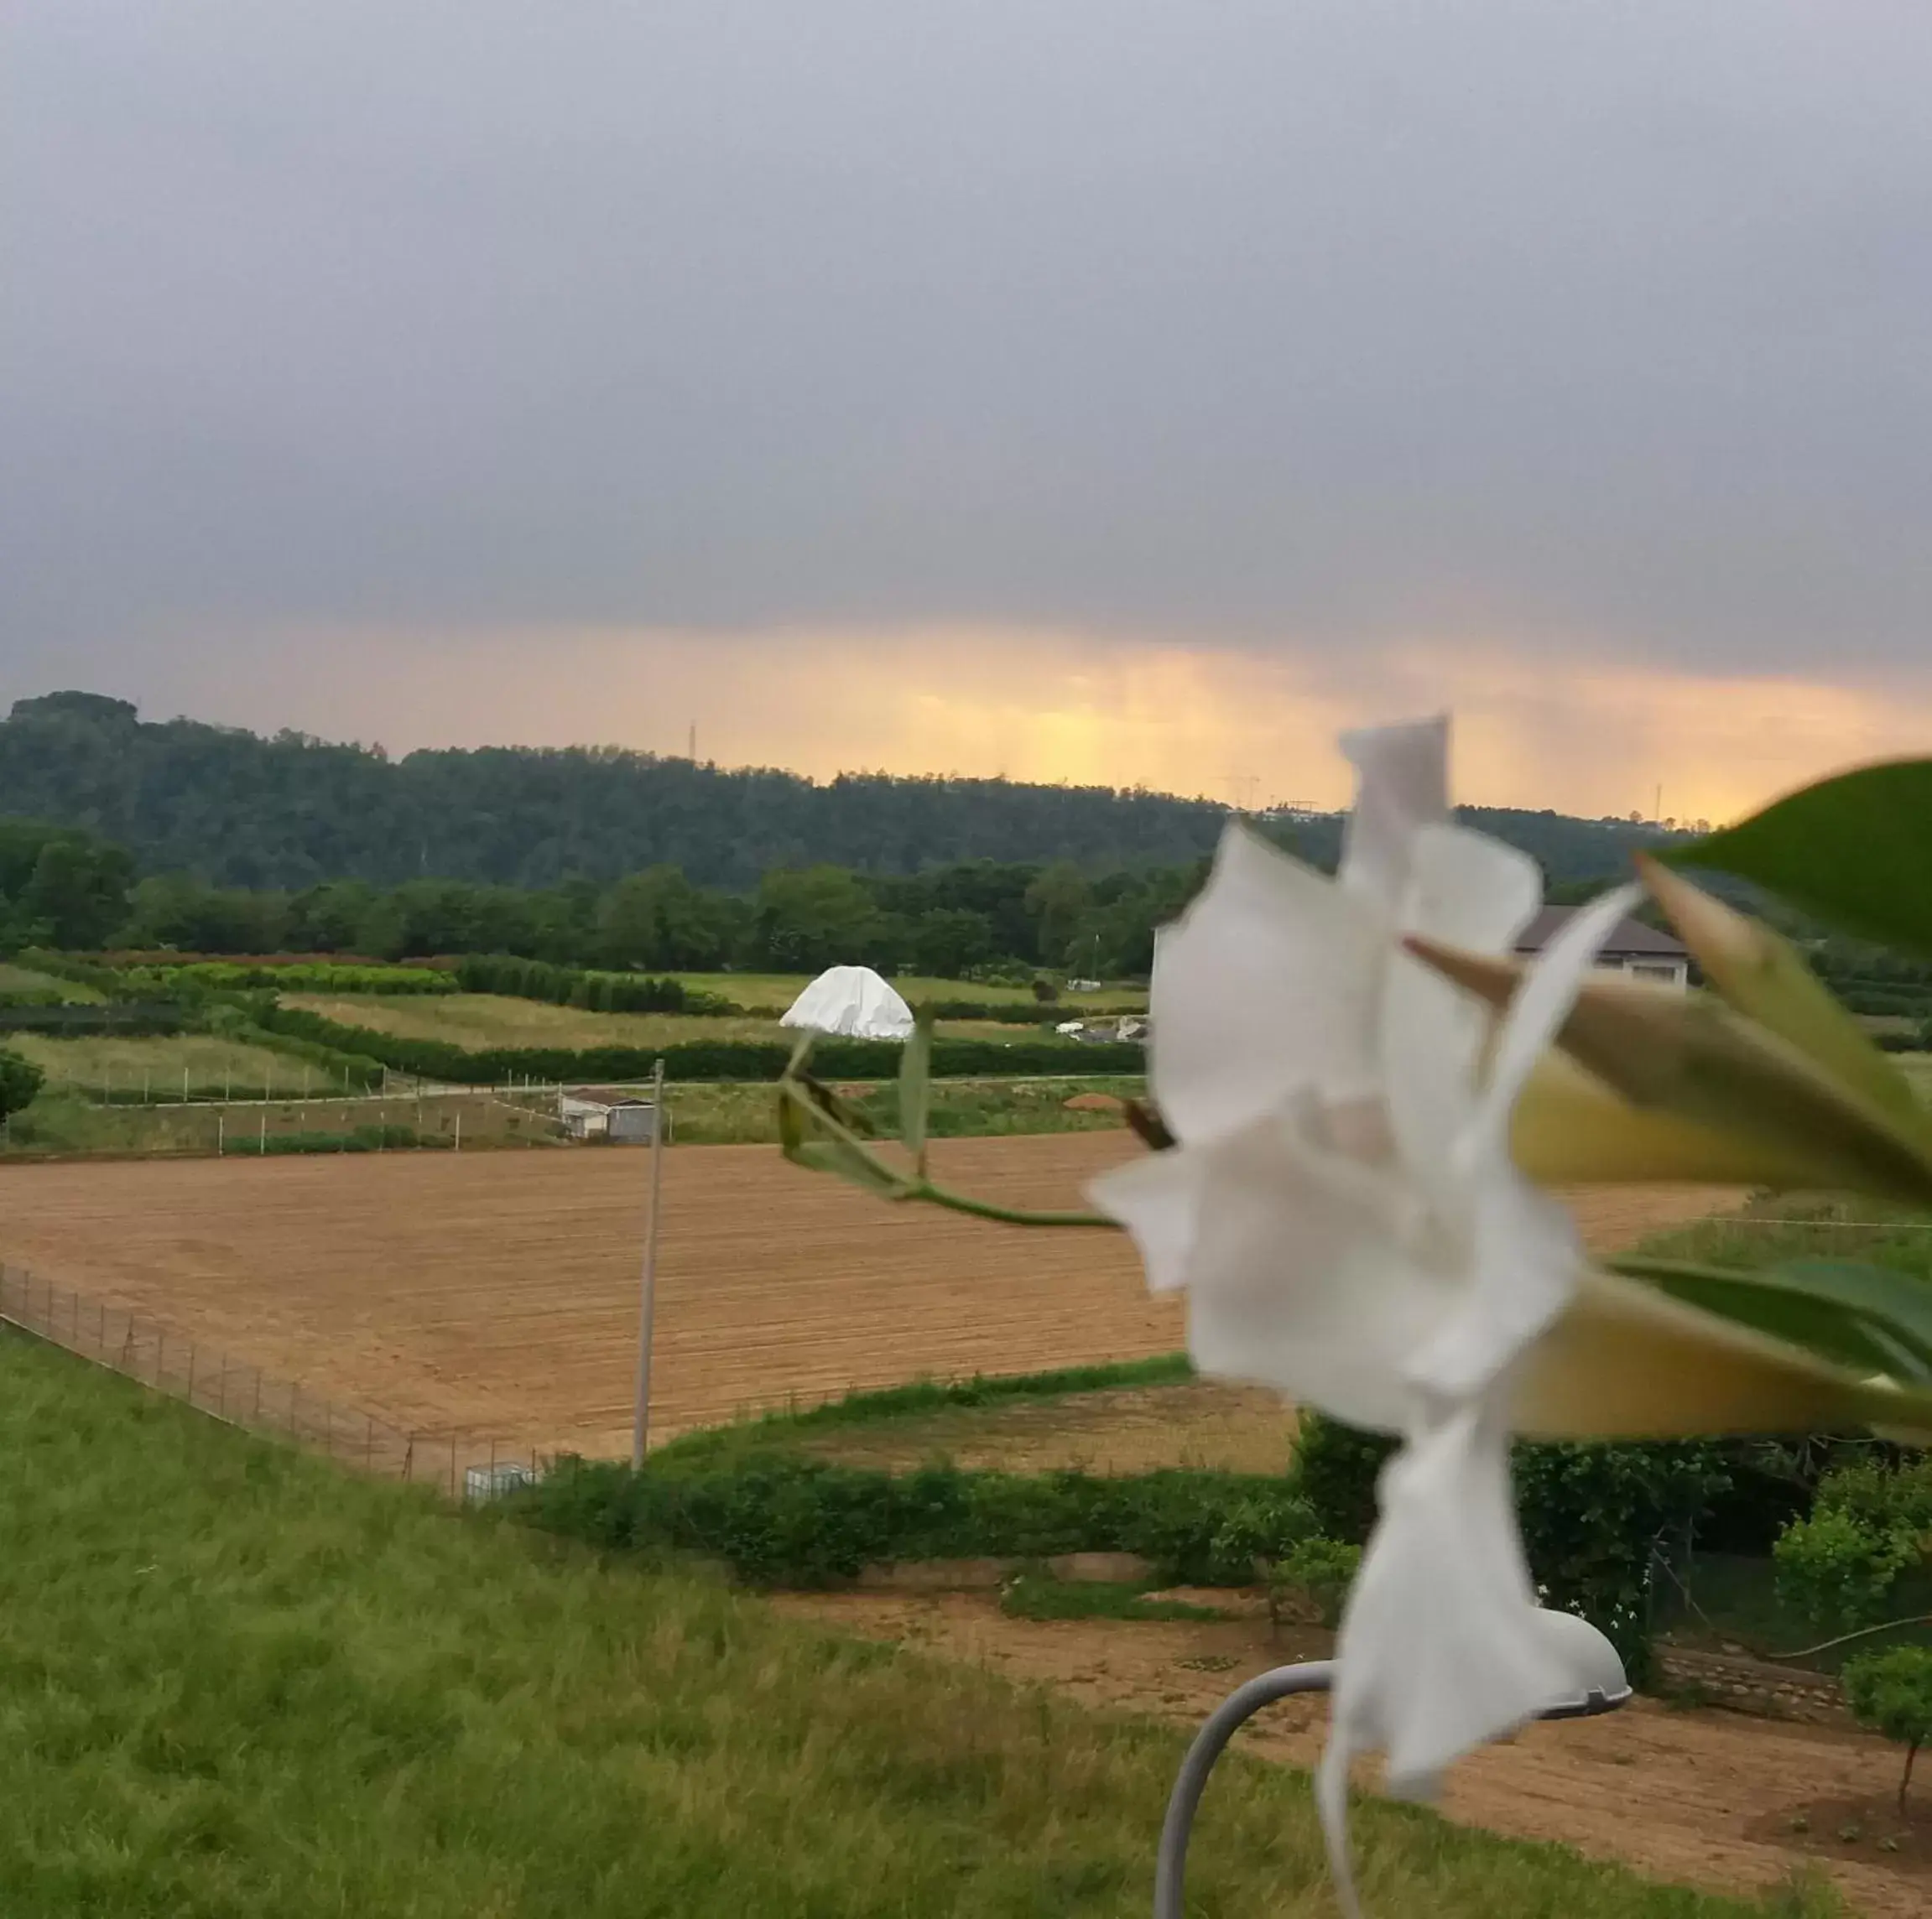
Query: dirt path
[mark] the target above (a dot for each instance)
(1698, 1797)
(497, 1292)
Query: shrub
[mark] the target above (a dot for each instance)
(1319, 1569)
(1891, 1693)
(1837, 1571)
(1592, 1515)
(1257, 1534)
(1869, 1523)
(20, 1083)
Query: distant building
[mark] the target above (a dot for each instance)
(1638, 951)
(595, 1113)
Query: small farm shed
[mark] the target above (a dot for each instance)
(1638, 951)
(593, 1113)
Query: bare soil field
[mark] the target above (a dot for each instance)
(1700, 1797)
(497, 1293)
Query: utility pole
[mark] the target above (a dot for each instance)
(694, 743)
(641, 1414)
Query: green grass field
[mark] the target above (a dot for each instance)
(477, 1022)
(63, 1125)
(24, 980)
(236, 1684)
(123, 1068)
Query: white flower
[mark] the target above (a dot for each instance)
(1344, 1210)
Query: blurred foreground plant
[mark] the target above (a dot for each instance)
(1360, 1099)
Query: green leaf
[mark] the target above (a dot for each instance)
(1856, 849)
(850, 1163)
(1689, 1055)
(812, 1137)
(915, 1088)
(1760, 974)
(1867, 1318)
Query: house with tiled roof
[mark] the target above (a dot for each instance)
(1638, 951)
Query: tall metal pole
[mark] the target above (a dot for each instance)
(640, 1415)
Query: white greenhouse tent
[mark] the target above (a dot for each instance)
(855, 1003)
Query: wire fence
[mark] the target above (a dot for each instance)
(463, 1465)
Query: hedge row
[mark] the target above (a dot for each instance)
(314, 976)
(125, 1019)
(780, 1519)
(699, 1060)
(571, 986)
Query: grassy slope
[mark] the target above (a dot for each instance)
(232, 1683)
(210, 1063)
(24, 980)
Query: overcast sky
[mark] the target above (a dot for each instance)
(1085, 386)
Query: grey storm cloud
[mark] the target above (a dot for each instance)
(1325, 318)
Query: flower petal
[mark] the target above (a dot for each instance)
(1158, 1199)
(1439, 1650)
(1523, 1258)
(1474, 894)
(1266, 984)
(1297, 1276)
(1402, 785)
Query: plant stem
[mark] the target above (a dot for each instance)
(1845, 1638)
(1009, 1215)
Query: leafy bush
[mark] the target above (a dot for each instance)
(1320, 1570)
(1891, 1693)
(778, 1518)
(1592, 1515)
(1869, 1523)
(1837, 1571)
(20, 1083)
(1260, 1533)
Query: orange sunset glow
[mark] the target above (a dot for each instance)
(1590, 738)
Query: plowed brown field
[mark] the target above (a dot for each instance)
(498, 1292)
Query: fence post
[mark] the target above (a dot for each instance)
(368, 1441)
(459, 1144)
(258, 1415)
(452, 1466)
(220, 1135)
(190, 1373)
(262, 1139)
(160, 1356)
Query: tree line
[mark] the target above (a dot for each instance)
(288, 814)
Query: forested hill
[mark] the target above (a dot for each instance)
(288, 812)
